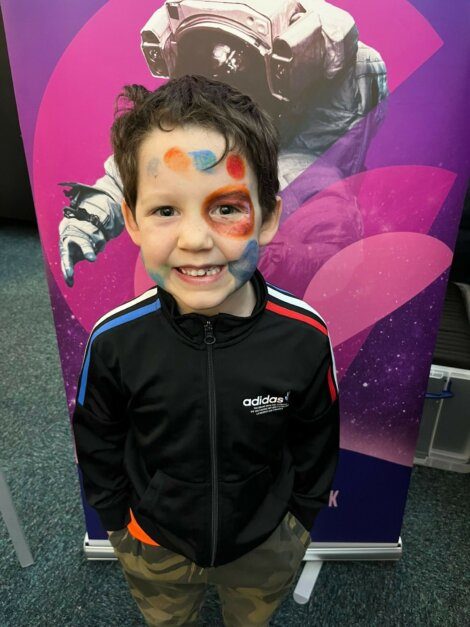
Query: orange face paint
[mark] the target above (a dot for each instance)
(235, 166)
(240, 225)
(177, 159)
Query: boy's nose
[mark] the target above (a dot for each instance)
(195, 234)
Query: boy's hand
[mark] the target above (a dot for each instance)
(116, 530)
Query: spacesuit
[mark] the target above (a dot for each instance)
(305, 65)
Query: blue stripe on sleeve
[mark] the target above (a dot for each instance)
(137, 313)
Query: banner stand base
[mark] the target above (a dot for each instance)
(325, 551)
(317, 551)
(320, 552)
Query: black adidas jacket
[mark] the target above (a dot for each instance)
(208, 428)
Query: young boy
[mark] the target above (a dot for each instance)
(207, 418)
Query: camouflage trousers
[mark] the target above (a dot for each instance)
(169, 588)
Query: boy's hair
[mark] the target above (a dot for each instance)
(195, 99)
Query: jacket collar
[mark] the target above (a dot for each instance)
(227, 328)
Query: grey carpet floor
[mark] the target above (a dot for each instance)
(429, 585)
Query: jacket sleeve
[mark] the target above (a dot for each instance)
(100, 426)
(313, 440)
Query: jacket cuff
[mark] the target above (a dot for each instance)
(115, 517)
(304, 509)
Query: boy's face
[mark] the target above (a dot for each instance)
(189, 217)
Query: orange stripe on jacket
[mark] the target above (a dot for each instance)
(136, 530)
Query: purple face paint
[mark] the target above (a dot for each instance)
(239, 196)
(152, 166)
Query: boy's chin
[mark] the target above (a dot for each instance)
(206, 303)
(204, 306)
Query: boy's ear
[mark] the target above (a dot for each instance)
(131, 225)
(271, 224)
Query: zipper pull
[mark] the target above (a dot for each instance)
(208, 334)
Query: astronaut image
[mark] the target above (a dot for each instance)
(303, 62)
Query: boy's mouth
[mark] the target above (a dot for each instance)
(200, 271)
(205, 275)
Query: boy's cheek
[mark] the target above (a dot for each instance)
(158, 278)
(243, 268)
(241, 229)
(159, 273)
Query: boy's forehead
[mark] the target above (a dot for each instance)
(185, 149)
(189, 151)
(187, 138)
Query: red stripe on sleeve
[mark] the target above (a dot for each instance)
(331, 385)
(283, 311)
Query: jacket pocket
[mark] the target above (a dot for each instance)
(177, 508)
(241, 503)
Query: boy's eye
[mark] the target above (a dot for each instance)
(226, 210)
(163, 209)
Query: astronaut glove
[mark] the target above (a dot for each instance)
(78, 240)
(85, 229)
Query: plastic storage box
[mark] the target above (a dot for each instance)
(444, 436)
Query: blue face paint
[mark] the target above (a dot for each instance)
(242, 269)
(203, 159)
(158, 278)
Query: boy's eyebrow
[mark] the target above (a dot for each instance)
(238, 192)
(157, 195)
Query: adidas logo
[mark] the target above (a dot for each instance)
(266, 400)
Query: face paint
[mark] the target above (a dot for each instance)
(242, 269)
(177, 160)
(152, 167)
(203, 159)
(159, 276)
(238, 225)
(235, 166)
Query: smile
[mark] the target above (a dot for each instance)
(201, 275)
(209, 271)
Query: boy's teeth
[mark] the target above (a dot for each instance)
(201, 272)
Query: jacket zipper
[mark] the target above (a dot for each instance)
(209, 340)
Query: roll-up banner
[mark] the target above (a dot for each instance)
(371, 100)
